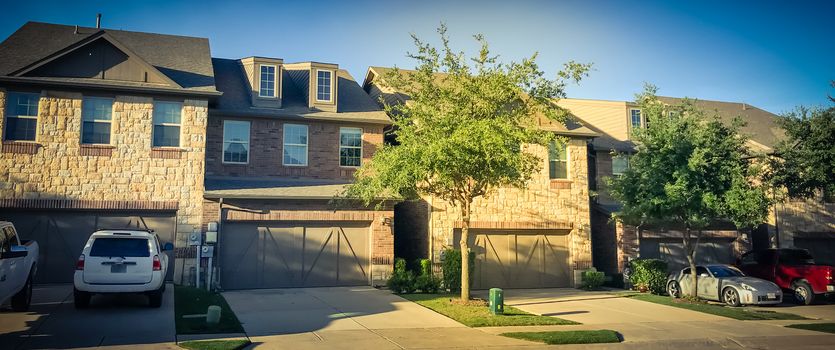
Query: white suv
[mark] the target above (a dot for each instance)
(121, 261)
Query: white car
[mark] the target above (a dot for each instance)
(725, 283)
(18, 265)
(121, 261)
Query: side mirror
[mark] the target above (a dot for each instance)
(167, 246)
(14, 254)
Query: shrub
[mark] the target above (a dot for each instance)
(593, 279)
(402, 280)
(649, 274)
(451, 267)
(614, 280)
(426, 282)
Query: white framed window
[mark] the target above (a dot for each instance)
(557, 160)
(620, 163)
(350, 147)
(21, 116)
(635, 118)
(295, 145)
(96, 120)
(167, 122)
(236, 141)
(267, 81)
(324, 85)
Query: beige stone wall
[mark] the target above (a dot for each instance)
(129, 170)
(544, 204)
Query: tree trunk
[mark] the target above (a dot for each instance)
(465, 252)
(690, 250)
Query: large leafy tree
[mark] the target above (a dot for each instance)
(689, 170)
(805, 162)
(463, 131)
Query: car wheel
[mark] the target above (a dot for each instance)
(81, 299)
(674, 289)
(803, 293)
(730, 296)
(23, 298)
(155, 298)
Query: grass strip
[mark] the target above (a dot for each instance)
(567, 337)
(478, 315)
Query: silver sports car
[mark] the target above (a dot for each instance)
(725, 283)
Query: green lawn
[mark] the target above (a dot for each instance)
(234, 344)
(738, 313)
(190, 301)
(820, 327)
(568, 337)
(479, 315)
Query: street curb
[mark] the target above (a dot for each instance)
(217, 336)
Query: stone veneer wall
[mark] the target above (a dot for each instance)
(544, 204)
(58, 167)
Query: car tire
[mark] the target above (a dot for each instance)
(23, 298)
(155, 297)
(674, 289)
(803, 294)
(730, 297)
(81, 299)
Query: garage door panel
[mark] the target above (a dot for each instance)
(520, 259)
(529, 260)
(353, 254)
(279, 262)
(556, 267)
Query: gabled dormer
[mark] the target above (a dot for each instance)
(264, 76)
(318, 82)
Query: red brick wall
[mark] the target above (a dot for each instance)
(265, 151)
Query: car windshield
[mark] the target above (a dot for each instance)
(724, 271)
(796, 257)
(122, 247)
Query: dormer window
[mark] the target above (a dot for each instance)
(324, 85)
(267, 88)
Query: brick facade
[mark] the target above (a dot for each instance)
(56, 171)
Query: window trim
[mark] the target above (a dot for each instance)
(284, 144)
(352, 147)
(112, 115)
(248, 142)
(640, 118)
(180, 125)
(567, 164)
(330, 72)
(6, 115)
(275, 81)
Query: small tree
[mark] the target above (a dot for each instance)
(461, 134)
(805, 162)
(689, 171)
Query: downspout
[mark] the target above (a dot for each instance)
(217, 245)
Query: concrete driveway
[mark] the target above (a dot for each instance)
(120, 321)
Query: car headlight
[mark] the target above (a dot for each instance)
(747, 287)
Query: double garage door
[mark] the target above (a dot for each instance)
(281, 255)
(671, 250)
(520, 259)
(61, 235)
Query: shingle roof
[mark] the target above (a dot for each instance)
(353, 104)
(185, 60)
(273, 188)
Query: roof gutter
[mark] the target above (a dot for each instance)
(273, 114)
(94, 86)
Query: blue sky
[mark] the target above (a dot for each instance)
(772, 54)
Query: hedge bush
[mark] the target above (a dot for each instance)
(402, 280)
(451, 266)
(426, 282)
(593, 279)
(649, 274)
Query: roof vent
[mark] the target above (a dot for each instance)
(744, 106)
(98, 21)
(76, 30)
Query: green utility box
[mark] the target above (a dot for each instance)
(496, 301)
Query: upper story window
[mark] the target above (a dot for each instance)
(96, 120)
(21, 116)
(235, 141)
(557, 161)
(295, 145)
(167, 122)
(350, 147)
(267, 88)
(324, 85)
(620, 163)
(635, 118)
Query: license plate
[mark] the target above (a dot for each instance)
(118, 268)
(772, 296)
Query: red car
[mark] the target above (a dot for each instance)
(790, 269)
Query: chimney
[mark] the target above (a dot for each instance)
(98, 21)
(744, 106)
(76, 30)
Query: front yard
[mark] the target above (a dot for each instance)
(193, 302)
(567, 337)
(476, 313)
(737, 313)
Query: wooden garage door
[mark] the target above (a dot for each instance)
(822, 249)
(520, 259)
(61, 235)
(274, 255)
(671, 250)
